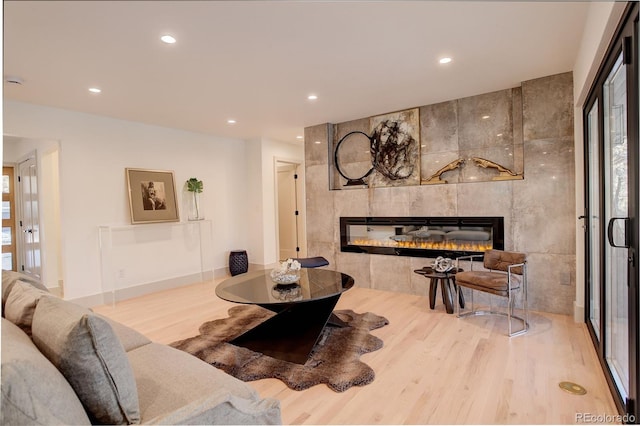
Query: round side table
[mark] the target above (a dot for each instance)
(446, 279)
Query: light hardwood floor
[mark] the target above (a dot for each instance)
(433, 369)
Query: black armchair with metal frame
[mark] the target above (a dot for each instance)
(506, 276)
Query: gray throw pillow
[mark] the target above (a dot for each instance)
(9, 278)
(33, 390)
(85, 349)
(21, 304)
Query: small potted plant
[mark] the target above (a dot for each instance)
(195, 186)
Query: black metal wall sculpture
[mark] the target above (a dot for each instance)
(359, 181)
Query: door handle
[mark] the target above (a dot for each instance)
(584, 225)
(610, 232)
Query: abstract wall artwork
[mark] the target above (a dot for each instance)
(395, 148)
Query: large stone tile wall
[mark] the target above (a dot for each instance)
(539, 211)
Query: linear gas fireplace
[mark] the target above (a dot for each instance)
(421, 236)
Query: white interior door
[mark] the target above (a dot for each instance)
(29, 219)
(287, 212)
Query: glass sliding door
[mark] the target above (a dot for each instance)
(616, 209)
(594, 275)
(611, 121)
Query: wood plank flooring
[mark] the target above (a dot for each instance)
(433, 369)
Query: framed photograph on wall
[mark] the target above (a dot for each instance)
(152, 196)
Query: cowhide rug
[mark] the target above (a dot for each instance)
(335, 360)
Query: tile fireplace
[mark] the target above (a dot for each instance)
(421, 236)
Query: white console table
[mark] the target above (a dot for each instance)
(137, 259)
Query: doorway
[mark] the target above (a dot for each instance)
(8, 219)
(29, 218)
(611, 214)
(290, 211)
(36, 165)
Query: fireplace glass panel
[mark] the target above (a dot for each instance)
(422, 237)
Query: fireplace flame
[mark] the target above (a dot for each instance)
(427, 245)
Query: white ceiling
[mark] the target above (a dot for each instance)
(256, 61)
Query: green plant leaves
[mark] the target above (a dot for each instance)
(195, 185)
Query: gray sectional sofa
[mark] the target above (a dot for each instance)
(63, 364)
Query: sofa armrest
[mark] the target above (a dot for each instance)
(130, 338)
(175, 387)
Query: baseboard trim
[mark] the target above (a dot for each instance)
(108, 297)
(578, 313)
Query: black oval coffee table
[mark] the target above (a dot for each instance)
(302, 310)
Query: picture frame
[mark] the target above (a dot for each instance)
(152, 196)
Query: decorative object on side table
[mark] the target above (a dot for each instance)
(442, 264)
(288, 272)
(195, 187)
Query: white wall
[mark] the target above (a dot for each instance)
(52, 242)
(602, 20)
(255, 195)
(94, 151)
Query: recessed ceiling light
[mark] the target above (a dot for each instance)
(94, 90)
(168, 39)
(312, 97)
(484, 117)
(445, 60)
(231, 121)
(298, 137)
(318, 142)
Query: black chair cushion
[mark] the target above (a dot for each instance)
(312, 262)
